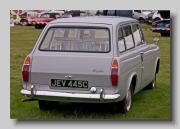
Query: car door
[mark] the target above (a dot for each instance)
(130, 60)
(146, 53)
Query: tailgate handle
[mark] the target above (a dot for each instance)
(142, 53)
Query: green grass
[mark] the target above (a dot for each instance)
(147, 104)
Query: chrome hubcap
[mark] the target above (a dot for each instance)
(153, 83)
(128, 100)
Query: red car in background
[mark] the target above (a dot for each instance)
(162, 26)
(45, 18)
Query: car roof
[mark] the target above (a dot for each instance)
(113, 20)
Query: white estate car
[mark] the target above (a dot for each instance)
(156, 16)
(92, 60)
(141, 15)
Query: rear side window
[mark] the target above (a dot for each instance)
(76, 39)
(128, 37)
(121, 44)
(137, 35)
(138, 11)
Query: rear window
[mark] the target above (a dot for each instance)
(76, 40)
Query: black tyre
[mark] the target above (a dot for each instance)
(165, 34)
(141, 20)
(24, 22)
(125, 105)
(37, 26)
(47, 105)
(152, 85)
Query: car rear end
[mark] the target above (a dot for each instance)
(162, 26)
(72, 64)
(148, 20)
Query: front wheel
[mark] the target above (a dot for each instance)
(125, 105)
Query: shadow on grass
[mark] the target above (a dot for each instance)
(86, 108)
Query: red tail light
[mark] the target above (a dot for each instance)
(154, 24)
(114, 73)
(25, 70)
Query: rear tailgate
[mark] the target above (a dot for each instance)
(85, 71)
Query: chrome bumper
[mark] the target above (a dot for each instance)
(34, 95)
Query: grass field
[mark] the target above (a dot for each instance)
(147, 104)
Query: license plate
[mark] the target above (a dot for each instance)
(69, 83)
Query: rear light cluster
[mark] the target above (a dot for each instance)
(154, 24)
(114, 73)
(25, 69)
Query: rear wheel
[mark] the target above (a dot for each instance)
(37, 26)
(24, 22)
(152, 85)
(125, 105)
(141, 20)
(47, 105)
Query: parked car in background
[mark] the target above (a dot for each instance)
(45, 18)
(91, 60)
(149, 18)
(122, 13)
(61, 12)
(141, 15)
(91, 12)
(27, 16)
(75, 13)
(162, 26)
(14, 17)
(100, 13)
(156, 16)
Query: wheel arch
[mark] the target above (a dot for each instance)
(132, 80)
(141, 18)
(157, 65)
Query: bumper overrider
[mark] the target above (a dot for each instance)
(68, 97)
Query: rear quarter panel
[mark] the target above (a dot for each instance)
(130, 65)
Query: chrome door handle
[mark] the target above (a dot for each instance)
(142, 53)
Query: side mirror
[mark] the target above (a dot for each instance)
(156, 39)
